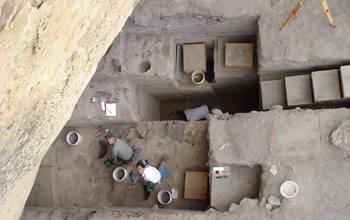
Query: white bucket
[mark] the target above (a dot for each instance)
(74, 138)
(198, 77)
(160, 197)
(289, 189)
(120, 174)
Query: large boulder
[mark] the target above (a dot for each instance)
(49, 51)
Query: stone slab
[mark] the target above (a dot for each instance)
(325, 85)
(345, 81)
(194, 57)
(273, 93)
(239, 55)
(298, 90)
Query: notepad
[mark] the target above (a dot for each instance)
(111, 109)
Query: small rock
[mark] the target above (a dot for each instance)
(211, 210)
(273, 170)
(224, 116)
(273, 200)
(155, 207)
(268, 206)
(216, 112)
(277, 107)
(233, 208)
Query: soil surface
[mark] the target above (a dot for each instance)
(138, 73)
(301, 151)
(88, 182)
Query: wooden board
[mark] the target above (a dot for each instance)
(239, 55)
(196, 185)
(194, 58)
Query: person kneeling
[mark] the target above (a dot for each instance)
(121, 153)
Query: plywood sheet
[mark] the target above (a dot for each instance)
(326, 85)
(298, 90)
(345, 80)
(196, 185)
(239, 55)
(194, 58)
(273, 93)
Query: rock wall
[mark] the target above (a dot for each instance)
(49, 51)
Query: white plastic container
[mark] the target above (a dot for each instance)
(289, 189)
(93, 99)
(198, 77)
(160, 197)
(74, 138)
(120, 174)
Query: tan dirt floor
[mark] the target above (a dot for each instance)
(90, 184)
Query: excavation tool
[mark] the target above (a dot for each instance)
(300, 4)
(102, 132)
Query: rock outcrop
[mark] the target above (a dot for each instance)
(49, 51)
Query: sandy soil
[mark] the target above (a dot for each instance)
(89, 183)
(302, 152)
(141, 62)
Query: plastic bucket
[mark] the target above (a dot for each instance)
(198, 77)
(164, 197)
(289, 189)
(74, 138)
(120, 174)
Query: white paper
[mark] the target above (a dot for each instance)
(218, 168)
(103, 106)
(111, 109)
(174, 193)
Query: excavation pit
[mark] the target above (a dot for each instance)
(241, 182)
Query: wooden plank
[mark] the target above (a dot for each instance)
(196, 185)
(239, 55)
(194, 58)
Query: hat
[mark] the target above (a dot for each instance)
(142, 163)
(109, 135)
